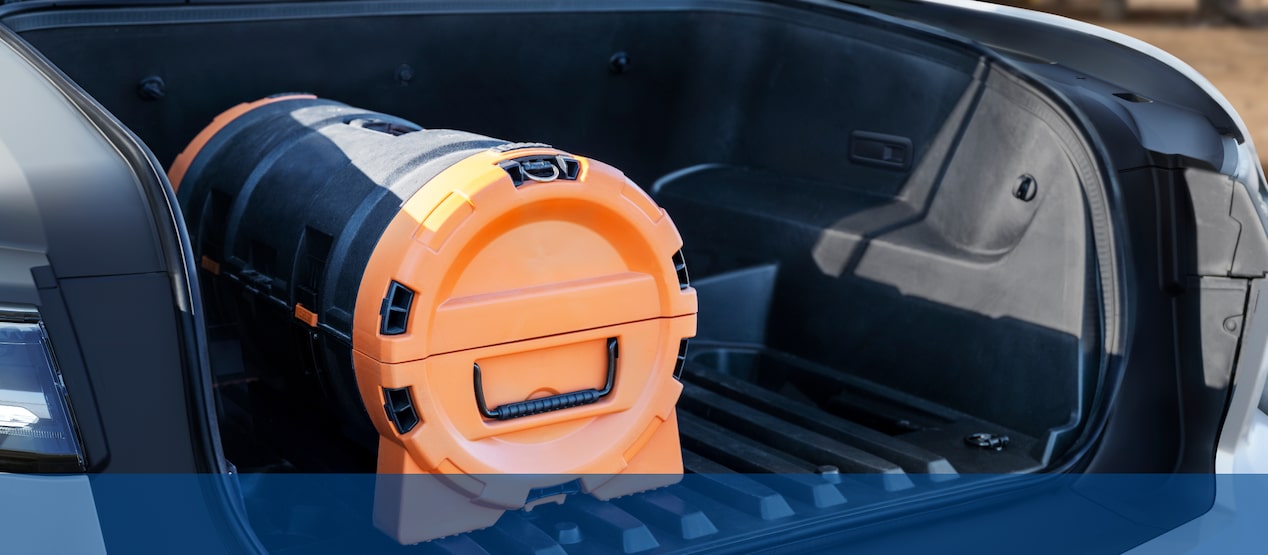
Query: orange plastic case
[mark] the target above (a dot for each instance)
(516, 333)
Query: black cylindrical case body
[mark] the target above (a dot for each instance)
(285, 203)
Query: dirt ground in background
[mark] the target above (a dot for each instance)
(1234, 59)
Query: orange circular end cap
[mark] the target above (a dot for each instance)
(552, 297)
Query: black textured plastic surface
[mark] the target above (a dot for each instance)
(290, 199)
(546, 404)
(894, 291)
(693, 85)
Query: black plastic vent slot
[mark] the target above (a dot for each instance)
(263, 258)
(399, 405)
(680, 266)
(392, 128)
(394, 313)
(682, 359)
(1133, 97)
(566, 488)
(311, 266)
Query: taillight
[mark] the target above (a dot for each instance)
(37, 429)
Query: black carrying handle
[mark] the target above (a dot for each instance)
(548, 404)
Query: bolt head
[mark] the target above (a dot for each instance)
(619, 63)
(404, 73)
(151, 88)
(1027, 188)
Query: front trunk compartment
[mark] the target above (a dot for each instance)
(907, 276)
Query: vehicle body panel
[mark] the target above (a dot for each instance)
(127, 248)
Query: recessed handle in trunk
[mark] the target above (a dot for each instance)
(876, 149)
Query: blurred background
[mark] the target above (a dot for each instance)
(1225, 40)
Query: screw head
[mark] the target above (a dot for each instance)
(1027, 188)
(619, 63)
(404, 74)
(1230, 324)
(151, 88)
